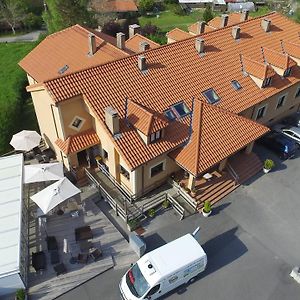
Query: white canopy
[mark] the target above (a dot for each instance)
(25, 140)
(43, 172)
(55, 194)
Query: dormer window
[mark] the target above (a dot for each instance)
(155, 136)
(211, 96)
(180, 109)
(77, 123)
(267, 81)
(170, 115)
(287, 72)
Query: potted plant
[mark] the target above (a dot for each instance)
(268, 165)
(20, 294)
(133, 224)
(193, 193)
(206, 210)
(165, 204)
(151, 212)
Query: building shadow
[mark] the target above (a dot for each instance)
(216, 210)
(216, 258)
(153, 241)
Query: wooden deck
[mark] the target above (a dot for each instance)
(116, 252)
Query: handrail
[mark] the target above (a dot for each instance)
(233, 173)
(180, 209)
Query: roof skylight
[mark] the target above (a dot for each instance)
(170, 115)
(211, 96)
(236, 85)
(180, 109)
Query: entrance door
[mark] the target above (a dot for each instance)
(81, 156)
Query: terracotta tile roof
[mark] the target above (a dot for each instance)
(177, 34)
(194, 27)
(78, 142)
(292, 49)
(67, 47)
(176, 72)
(145, 120)
(113, 5)
(133, 43)
(233, 18)
(257, 69)
(216, 135)
(278, 59)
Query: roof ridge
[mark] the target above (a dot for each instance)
(159, 48)
(144, 108)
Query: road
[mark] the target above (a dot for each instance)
(251, 240)
(29, 37)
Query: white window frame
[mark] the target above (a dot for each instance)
(81, 124)
(287, 72)
(284, 96)
(265, 111)
(155, 136)
(164, 168)
(297, 92)
(267, 81)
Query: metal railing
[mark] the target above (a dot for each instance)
(180, 209)
(233, 173)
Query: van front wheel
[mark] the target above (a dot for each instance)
(192, 280)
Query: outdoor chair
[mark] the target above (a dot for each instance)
(60, 269)
(54, 257)
(96, 254)
(83, 233)
(39, 261)
(82, 258)
(51, 243)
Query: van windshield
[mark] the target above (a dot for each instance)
(136, 281)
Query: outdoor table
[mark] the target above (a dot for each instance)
(83, 233)
(85, 246)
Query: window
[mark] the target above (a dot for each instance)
(170, 115)
(157, 169)
(105, 154)
(280, 101)
(180, 109)
(77, 123)
(124, 172)
(267, 81)
(261, 112)
(211, 96)
(287, 72)
(155, 136)
(236, 85)
(154, 290)
(298, 92)
(173, 279)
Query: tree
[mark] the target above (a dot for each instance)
(12, 12)
(64, 13)
(146, 6)
(111, 28)
(208, 14)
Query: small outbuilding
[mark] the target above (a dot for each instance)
(240, 6)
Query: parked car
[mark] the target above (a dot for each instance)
(280, 144)
(292, 120)
(291, 132)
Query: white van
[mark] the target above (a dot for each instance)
(164, 269)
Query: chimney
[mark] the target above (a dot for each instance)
(121, 40)
(144, 46)
(133, 29)
(200, 27)
(112, 120)
(224, 21)
(142, 63)
(266, 24)
(244, 15)
(199, 45)
(236, 30)
(92, 44)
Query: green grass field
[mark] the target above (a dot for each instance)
(168, 20)
(16, 110)
(262, 10)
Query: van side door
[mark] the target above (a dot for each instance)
(154, 293)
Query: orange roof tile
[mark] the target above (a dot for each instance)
(216, 135)
(78, 142)
(194, 27)
(257, 69)
(177, 72)
(233, 19)
(177, 34)
(133, 43)
(278, 59)
(145, 120)
(113, 5)
(67, 47)
(292, 49)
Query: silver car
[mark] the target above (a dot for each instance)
(292, 132)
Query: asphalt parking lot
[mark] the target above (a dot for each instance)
(251, 240)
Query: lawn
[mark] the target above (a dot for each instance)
(168, 20)
(16, 111)
(262, 10)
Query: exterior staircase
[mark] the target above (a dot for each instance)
(245, 165)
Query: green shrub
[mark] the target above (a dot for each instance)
(20, 294)
(177, 9)
(146, 6)
(151, 212)
(208, 14)
(269, 164)
(166, 204)
(133, 224)
(207, 206)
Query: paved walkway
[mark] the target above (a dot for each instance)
(28, 37)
